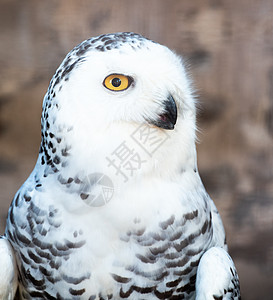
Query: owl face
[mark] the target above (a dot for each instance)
(109, 86)
(136, 85)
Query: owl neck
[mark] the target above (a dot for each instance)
(122, 154)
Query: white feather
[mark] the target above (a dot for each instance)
(215, 276)
(8, 271)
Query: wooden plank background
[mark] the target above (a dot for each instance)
(228, 45)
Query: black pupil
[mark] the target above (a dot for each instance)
(116, 82)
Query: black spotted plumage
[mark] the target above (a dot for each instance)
(147, 241)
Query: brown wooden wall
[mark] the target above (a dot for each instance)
(228, 45)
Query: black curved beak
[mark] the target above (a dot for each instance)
(168, 118)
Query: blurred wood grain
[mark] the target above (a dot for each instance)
(228, 48)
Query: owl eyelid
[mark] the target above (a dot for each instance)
(130, 81)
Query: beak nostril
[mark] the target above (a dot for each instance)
(167, 119)
(163, 118)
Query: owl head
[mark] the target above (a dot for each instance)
(109, 86)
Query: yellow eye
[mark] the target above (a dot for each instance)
(117, 82)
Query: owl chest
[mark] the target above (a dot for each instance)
(165, 259)
(157, 261)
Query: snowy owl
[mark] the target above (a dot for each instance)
(115, 207)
